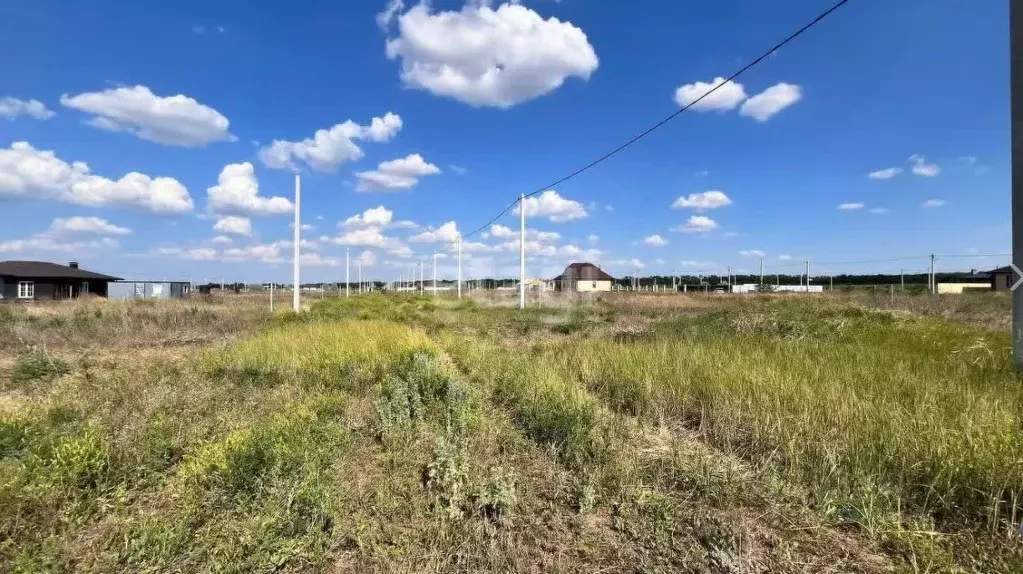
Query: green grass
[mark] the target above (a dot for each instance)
(410, 434)
(342, 353)
(920, 412)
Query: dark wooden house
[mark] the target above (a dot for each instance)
(44, 281)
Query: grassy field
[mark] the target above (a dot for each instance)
(636, 433)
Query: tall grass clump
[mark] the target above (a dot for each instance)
(34, 363)
(554, 411)
(374, 306)
(344, 354)
(911, 414)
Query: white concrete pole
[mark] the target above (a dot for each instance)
(422, 283)
(271, 297)
(761, 269)
(434, 274)
(296, 297)
(522, 251)
(360, 277)
(459, 280)
(807, 275)
(933, 284)
(347, 279)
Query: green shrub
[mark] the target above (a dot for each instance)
(34, 364)
(446, 478)
(13, 436)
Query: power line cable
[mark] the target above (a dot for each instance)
(974, 255)
(654, 127)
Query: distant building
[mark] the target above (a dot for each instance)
(41, 280)
(999, 280)
(536, 284)
(583, 278)
(1002, 278)
(752, 288)
(150, 290)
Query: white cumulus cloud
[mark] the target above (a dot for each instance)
(771, 101)
(86, 225)
(446, 233)
(329, 148)
(934, 203)
(655, 241)
(397, 174)
(851, 206)
(237, 193)
(922, 168)
(194, 254)
(554, 207)
(712, 199)
(886, 173)
(484, 56)
(378, 216)
(28, 173)
(11, 108)
(46, 242)
(364, 237)
(697, 224)
(366, 258)
(174, 120)
(234, 225)
(65, 235)
(725, 98)
(752, 253)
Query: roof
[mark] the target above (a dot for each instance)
(968, 278)
(584, 272)
(1006, 269)
(45, 269)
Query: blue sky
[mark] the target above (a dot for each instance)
(476, 103)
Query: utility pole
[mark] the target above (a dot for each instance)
(761, 269)
(933, 283)
(902, 279)
(360, 277)
(422, 284)
(522, 251)
(729, 278)
(807, 275)
(296, 297)
(435, 275)
(1016, 98)
(347, 280)
(459, 279)
(271, 297)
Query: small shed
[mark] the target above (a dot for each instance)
(150, 290)
(583, 278)
(42, 281)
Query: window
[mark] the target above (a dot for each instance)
(26, 290)
(594, 284)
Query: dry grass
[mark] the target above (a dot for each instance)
(699, 433)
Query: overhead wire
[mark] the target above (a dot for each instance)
(660, 123)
